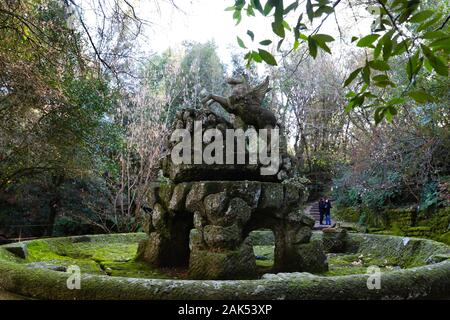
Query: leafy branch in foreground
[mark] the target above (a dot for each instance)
(406, 32)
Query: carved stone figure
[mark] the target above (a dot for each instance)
(245, 102)
(203, 214)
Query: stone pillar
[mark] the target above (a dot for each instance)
(293, 249)
(218, 249)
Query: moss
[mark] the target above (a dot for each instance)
(5, 255)
(43, 251)
(262, 237)
(264, 251)
(402, 217)
(346, 264)
(429, 225)
(132, 269)
(432, 280)
(348, 214)
(266, 254)
(264, 263)
(87, 255)
(10, 296)
(445, 238)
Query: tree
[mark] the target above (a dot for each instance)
(417, 31)
(53, 102)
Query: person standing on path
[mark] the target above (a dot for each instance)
(321, 210)
(327, 208)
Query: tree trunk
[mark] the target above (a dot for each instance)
(54, 204)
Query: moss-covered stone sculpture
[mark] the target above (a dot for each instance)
(224, 203)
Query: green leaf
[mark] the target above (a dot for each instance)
(267, 8)
(286, 25)
(354, 39)
(352, 76)
(237, 16)
(387, 48)
(379, 115)
(430, 22)
(324, 47)
(411, 6)
(401, 47)
(380, 77)
(438, 65)
(434, 34)
(379, 65)
(321, 40)
(350, 94)
(265, 42)
(421, 16)
(377, 51)
(232, 8)
(358, 100)
(241, 43)
(420, 96)
(278, 29)
(366, 74)
(397, 3)
(428, 66)
(312, 46)
(251, 34)
(239, 4)
(349, 106)
(250, 11)
(257, 5)
(363, 88)
(385, 83)
(388, 115)
(292, 6)
(309, 10)
(443, 43)
(411, 65)
(397, 100)
(323, 9)
(367, 40)
(370, 95)
(303, 37)
(256, 57)
(323, 37)
(279, 44)
(267, 57)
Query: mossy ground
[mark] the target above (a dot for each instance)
(403, 221)
(117, 258)
(339, 264)
(344, 280)
(345, 264)
(114, 259)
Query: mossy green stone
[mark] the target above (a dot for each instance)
(411, 268)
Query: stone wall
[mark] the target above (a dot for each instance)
(426, 281)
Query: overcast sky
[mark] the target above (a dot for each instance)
(203, 20)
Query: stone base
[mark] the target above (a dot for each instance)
(224, 264)
(334, 240)
(223, 214)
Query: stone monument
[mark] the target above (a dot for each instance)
(203, 214)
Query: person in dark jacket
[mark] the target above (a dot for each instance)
(321, 209)
(327, 208)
